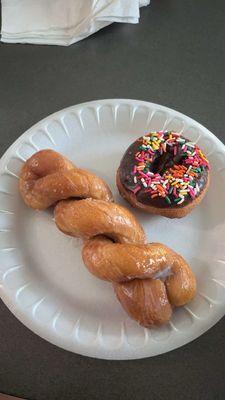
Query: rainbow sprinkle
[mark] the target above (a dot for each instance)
(178, 182)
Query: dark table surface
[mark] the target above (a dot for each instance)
(174, 57)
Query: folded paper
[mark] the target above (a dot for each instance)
(63, 22)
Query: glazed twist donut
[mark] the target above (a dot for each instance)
(48, 177)
(148, 279)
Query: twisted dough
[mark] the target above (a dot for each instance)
(47, 177)
(148, 279)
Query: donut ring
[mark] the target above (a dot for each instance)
(148, 279)
(163, 173)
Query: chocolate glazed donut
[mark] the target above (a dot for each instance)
(148, 279)
(163, 173)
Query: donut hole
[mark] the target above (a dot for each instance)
(165, 161)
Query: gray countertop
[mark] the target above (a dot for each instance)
(174, 57)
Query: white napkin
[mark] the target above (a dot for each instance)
(63, 22)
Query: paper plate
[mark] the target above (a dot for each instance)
(43, 279)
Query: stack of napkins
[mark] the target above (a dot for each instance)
(63, 22)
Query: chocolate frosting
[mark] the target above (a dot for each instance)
(160, 164)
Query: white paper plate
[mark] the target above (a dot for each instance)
(43, 279)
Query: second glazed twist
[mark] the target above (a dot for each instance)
(148, 279)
